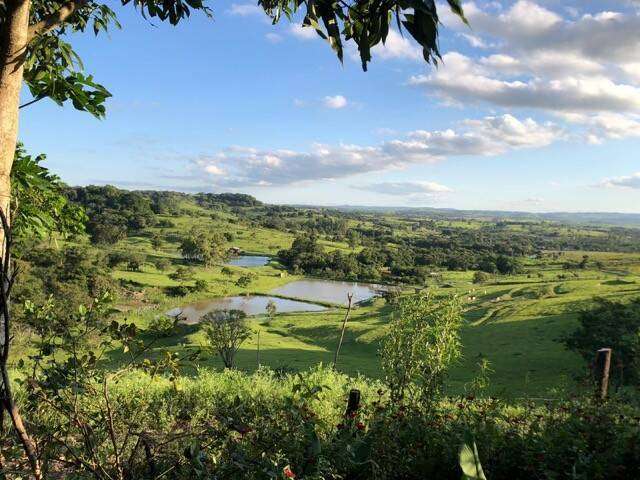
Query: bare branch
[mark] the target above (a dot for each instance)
(56, 18)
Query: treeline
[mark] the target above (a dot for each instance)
(390, 263)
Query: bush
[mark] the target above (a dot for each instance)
(615, 325)
(226, 331)
(480, 277)
(162, 264)
(233, 425)
(200, 285)
(421, 343)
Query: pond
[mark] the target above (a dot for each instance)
(248, 261)
(251, 305)
(328, 291)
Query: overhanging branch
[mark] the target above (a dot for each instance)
(56, 18)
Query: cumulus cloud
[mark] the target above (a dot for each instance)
(334, 101)
(396, 46)
(582, 68)
(243, 166)
(403, 189)
(630, 181)
(462, 78)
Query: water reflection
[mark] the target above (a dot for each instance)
(251, 305)
(328, 291)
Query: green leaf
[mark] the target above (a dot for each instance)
(470, 460)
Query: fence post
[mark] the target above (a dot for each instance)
(602, 366)
(258, 350)
(344, 326)
(354, 402)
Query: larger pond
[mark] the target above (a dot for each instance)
(251, 305)
(327, 291)
(248, 261)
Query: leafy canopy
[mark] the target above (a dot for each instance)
(39, 205)
(54, 70)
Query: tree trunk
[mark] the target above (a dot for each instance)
(14, 37)
(13, 49)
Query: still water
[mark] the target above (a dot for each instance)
(251, 305)
(248, 261)
(328, 291)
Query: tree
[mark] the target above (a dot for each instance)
(226, 271)
(508, 265)
(182, 274)
(614, 325)
(244, 281)
(480, 277)
(203, 246)
(156, 241)
(226, 331)
(421, 343)
(272, 309)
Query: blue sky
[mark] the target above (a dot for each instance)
(535, 107)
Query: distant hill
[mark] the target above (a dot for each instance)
(578, 218)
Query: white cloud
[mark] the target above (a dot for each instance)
(461, 78)
(245, 9)
(245, 166)
(583, 68)
(273, 37)
(418, 188)
(631, 181)
(303, 33)
(336, 101)
(396, 46)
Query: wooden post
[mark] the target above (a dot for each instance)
(601, 368)
(258, 351)
(344, 326)
(353, 404)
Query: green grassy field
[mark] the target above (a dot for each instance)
(515, 321)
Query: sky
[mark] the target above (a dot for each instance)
(535, 106)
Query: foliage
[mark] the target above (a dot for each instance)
(615, 325)
(232, 425)
(202, 245)
(244, 280)
(271, 308)
(421, 344)
(366, 22)
(226, 331)
(73, 276)
(480, 277)
(39, 206)
(113, 213)
(182, 274)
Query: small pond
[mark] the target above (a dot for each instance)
(328, 291)
(248, 261)
(251, 305)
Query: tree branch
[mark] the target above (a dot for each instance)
(56, 18)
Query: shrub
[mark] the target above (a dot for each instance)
(226, 331)
(480, 277)
(182, 274)
(421, 343)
